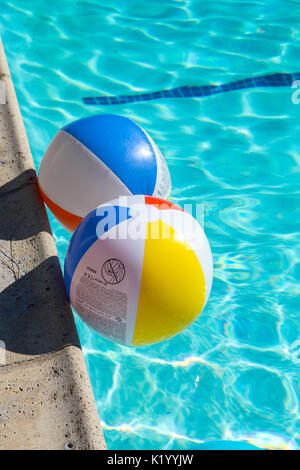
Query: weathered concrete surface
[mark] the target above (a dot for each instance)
(46, 400)
(46, 404)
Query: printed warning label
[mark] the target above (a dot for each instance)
(113, 271)
(106, 284)
(103, 307)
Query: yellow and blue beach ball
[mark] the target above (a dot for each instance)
(138, 270)
(97, 159)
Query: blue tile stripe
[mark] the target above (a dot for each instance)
(274, 80)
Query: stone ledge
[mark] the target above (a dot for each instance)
(45, 404)
(39, 408)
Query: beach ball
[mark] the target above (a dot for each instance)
(97, 159)
(138, 270)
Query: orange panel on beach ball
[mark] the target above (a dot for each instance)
(67, 220)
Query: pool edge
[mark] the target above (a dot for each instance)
(46, 399)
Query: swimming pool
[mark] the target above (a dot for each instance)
(234, 373)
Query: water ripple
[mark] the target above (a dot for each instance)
(234, 374)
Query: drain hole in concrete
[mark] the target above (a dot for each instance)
(69, 446)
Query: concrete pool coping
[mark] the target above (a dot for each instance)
(46, 399)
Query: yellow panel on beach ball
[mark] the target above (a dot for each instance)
(172, 291)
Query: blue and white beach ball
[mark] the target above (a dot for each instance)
(97, 159)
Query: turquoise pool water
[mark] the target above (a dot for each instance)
(234, 374)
